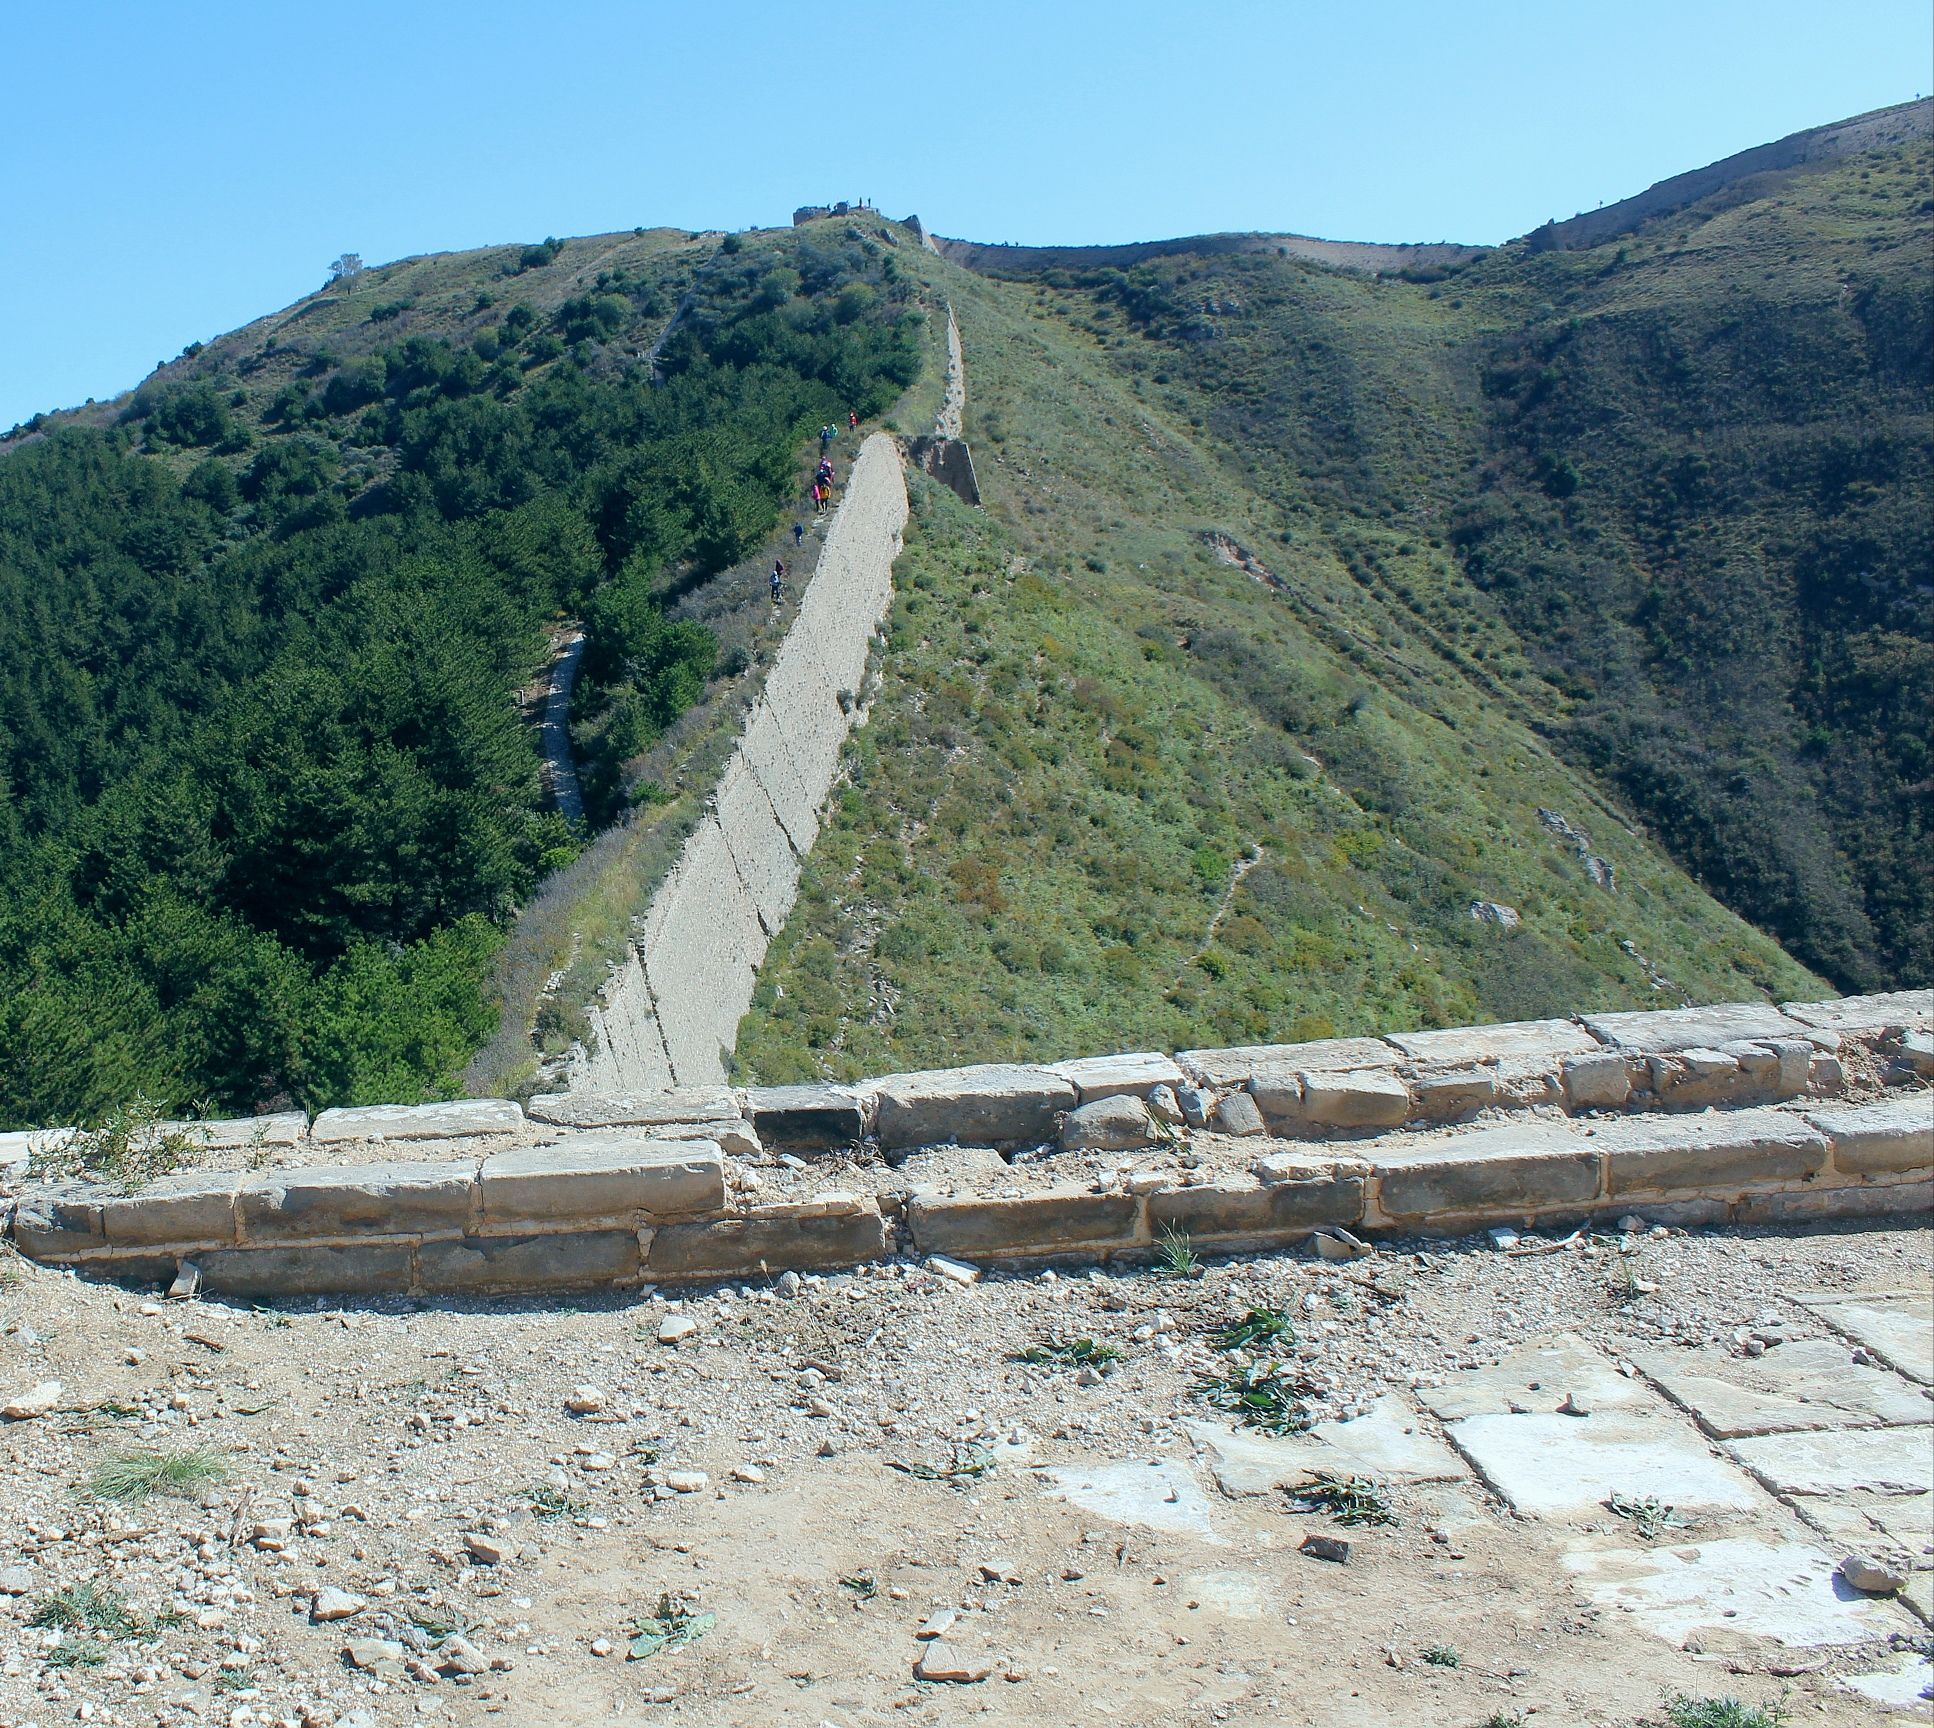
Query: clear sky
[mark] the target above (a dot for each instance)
(170, 169)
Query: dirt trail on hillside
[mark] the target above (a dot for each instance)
(671, 1013)
(554, 730)
(953, 409)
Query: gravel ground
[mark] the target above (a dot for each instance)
(505, 1493)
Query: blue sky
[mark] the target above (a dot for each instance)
(174, 168)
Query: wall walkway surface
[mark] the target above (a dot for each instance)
(670, 1014)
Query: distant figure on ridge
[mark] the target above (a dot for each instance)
(798, 535)
(778, 580)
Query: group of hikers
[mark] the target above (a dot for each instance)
(821, 495)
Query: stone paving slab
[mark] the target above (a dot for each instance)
(1462, 1044)
(1785, 1591)
(1842, 1461)
(452, 1121)
(1664, 1030)
(1565, 1468)
(1157, 1493)
(1536, 1377)
(1867, 1013)
(1390, 1443)
(635, 1109)
(1861, 1522)
(1233, 1065)
(1814, 1383)
(1897, 1329)
(1134, 1075)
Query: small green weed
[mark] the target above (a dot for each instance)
(88, 1607)
(863, 1585)
(1441, 1656)
(1683, 1710)
(131, 1477)
(1175, 1256)
(1259, 1396)
(1503, 1719)
(671, 1628)
(1347, 1499)
(127, 1148)
(1260, 1326)
(1650, 1517)
(76, 1653)
(550, 1501)
(235, 1680)
(1075, 1352)
(964, 1464)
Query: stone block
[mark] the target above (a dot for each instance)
(1116, 1123)
(1236, 1212)
(453, 1121)
(380, 1199)
(240, 1132)
(1364, 1099)
(1463, 1046)
(635, 1109)
(1239, 1063)
(1135, 1075)
(1909, 1199)
(777, 1240)
(995, 1104)
(1445, 1096)
(1597, 1082)
(606, 1176)
(733, 1134)
(1913, 1008)
(351, 1269)
(1057, 1221)
(1670, 1029)
(1893, 1137)
(811, 1116)
(191, 1207)
(1515, 1171)
(58, 1220)
(1237, 1113)
(1278, 1093)
(575, 1260)
(18, 1146)
(1714, 1155)
(1695, 1078)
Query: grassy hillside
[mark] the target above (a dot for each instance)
(1118, 790)
(267, 799)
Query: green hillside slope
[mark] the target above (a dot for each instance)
(267, 800)
(1551, 541)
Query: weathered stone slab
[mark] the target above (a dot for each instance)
(1867, 1013)
(1158, 1494)
(1136, 1074)
(1537, 1377)
(635, 1109)
(1232, 1212)
(1784, 1592)
(192, 1207)
(787, 1241)
(231, 1133)
(1669, 1029)
(1365, 1098)
(1390, 1443)
(59, 1219)
(815, 1115)
(1893, 1136)
(1238, 1063)
(1841, 1461)
(1057, 1221)
(19, 1145)
(576, 1260)
(1119, 1122)
(366, 1268)
(1811, 1383)
(1597, 1082)
(1715, 1154)
(1447, 1095)
(994, 1104)
(453, 1121)
(381, 1199)
(1467, 1044)
(615, 1176)
(957, 1170)
(1566, 1467)
(1514, 1170)
(1897, 1329)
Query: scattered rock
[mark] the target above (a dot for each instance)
(937, 1624)
(1336, 1243)
(586, 1400)
(676, 1327)
(35, 1401)
(1502, 1237)
(787, 1284)
(488, 1550)
(748, 1473)
(687, 1481)
(1236, 1113)
(1164, 1106)
(333, 1604)
(1196, 1104)
(370, 1653)
(1876, 1577)
(187, 1282)
(16, 1580)
(601, 1647)
(1332, 1548)
(955, 1271)
(1574, 1404)
(1119, 1124)
(460, 1656)
(939, 1660)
